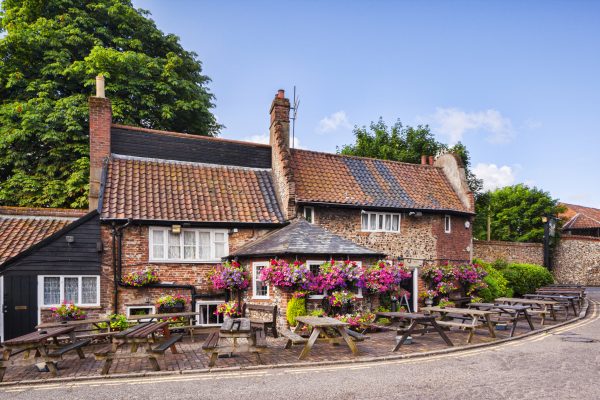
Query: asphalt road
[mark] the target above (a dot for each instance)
(558, 365)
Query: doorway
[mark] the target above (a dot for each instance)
(20, 305)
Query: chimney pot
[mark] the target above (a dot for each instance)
(423, 159)
(281, 94)
(431, 160)
(100, 86)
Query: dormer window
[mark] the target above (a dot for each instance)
(309, 214)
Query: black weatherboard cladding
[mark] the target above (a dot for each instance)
(170, 147)
(55, 256)
(395, 197)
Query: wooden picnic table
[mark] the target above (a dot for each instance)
(515, 312)
(323, 326)
(38, 341)
(541, 307)
(426, 321)
(226, 341)
(143, 334)
(571, 301)
(478, 319)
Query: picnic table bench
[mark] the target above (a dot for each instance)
(323, 329)
(451, 317)
(225, 341)
(268, 324)
(566, 301)
(538, 307)
(507, 313)
(39, 341)
(427, 324)
(94, 329)
(141, 334)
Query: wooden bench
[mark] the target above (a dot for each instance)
(57, 354)
(293, 338)
(357, 337)
(462, 325)
(105, 354)
(270, 324)
(159, 351)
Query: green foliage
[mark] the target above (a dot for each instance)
(406, 144)
(49, 57)
(516, 213)
(384, 321)
(318, 312)
(497, 285)
(526, 278)
(118, 322)
(296, 307)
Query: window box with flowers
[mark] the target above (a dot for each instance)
(141, 278)
(171, 304)
(68, 312)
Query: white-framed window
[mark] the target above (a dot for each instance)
(81, 290)
(260, 289)
(447, 224)
(379, 222)
(314, 266)
(191, 245)
(206, 313)
(309, 214)
(140, 310)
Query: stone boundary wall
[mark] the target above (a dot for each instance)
(529, 253)
(577, 261)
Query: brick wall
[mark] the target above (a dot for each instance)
(577, 261)
(530, 253)
(420, 237)
(135, 257)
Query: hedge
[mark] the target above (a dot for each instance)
(296, 307)
(525, 278)
(496, 282)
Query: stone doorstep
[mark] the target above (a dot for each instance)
(304, 364)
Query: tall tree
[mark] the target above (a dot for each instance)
(404, 143)
(514, 214)
(50, 54)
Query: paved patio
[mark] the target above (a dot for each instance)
(192, 357)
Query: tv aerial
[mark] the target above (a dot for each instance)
(294, 108)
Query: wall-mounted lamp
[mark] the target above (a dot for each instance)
(176, 228)
(467, 224)
(415, 214)
(70, 239)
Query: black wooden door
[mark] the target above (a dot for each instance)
(20, 305)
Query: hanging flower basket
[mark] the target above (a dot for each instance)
(141, 278)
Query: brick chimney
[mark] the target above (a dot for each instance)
(279, 139)
(100, 121)
(423, 159)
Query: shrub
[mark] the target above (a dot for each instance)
(296, 307)
(319, 312)
(526, 278)
(497, 285)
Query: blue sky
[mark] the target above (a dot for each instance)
(517, 82)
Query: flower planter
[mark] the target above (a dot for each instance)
(177, 308)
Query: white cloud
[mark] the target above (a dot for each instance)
(454, 123)
(264, 139)
(334, 122)
(494, 177)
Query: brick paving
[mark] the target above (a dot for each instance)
(192, 357)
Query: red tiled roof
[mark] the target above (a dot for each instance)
(21, 228)
(580, 217)
(367, 182)
(152, 190)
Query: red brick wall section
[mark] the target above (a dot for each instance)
(135, 257)
(455, 245)
(100, 121)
